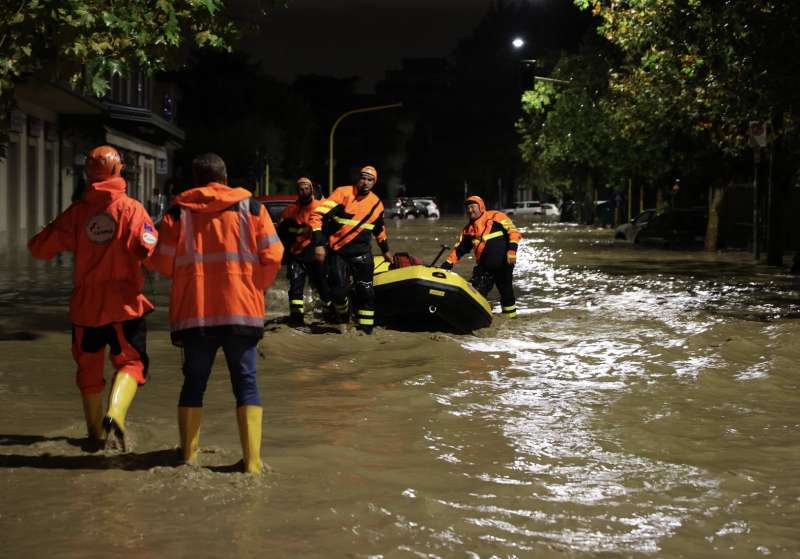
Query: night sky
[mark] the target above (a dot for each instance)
(361, 37)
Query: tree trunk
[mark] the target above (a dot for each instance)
(712, 229)
(775, 211)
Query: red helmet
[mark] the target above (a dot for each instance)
(103, 162)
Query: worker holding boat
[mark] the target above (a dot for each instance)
(294, 230)
(347, 221)
(221, 251)
(494, 239)
(110, 235)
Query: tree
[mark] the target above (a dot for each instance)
(85, 42)
(710, 68)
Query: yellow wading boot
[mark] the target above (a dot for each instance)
(122, 393)
(93, 412)
(249, 419)
(189, 427)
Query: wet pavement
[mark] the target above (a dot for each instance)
(643, 403)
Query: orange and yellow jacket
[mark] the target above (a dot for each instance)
(294, 226)
(349, 222)
(492, 236)
(111, 235)
(220, 248)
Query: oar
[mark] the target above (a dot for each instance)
(444, 248)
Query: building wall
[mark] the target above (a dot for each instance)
(29, 188)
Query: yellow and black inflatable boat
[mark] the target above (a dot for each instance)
(423, 298)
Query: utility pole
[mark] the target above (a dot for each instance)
(333, 131)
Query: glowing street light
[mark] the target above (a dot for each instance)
(518, 42)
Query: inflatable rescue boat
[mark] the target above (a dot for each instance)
(410, 295)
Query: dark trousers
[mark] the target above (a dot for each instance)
(297, 270)
(484, 279)
(240, 354)
(360, 268)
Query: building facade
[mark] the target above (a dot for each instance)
(41, 168)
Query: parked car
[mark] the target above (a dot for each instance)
(276, 203)
(628, 231)
(427, 206)
(675, 227)
(524, 207)
(402, 208)
(550, 212)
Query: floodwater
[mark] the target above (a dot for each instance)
(643, 404)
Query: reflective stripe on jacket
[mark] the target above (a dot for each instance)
(349, 221)
(111, 235)
(221, 250)
(490, 236)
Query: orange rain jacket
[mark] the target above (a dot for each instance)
(220, 248)
(294, 226)
(491, 237)
(111, 235)
(350, 222)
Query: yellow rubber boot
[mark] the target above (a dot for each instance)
(249, 419)
(93, 412)
(189, 426)
(119, 401)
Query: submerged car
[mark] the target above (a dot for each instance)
(675, 227)
(628, 231)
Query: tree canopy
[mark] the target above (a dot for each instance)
(680, 81)
(85, 42)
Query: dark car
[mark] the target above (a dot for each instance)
(675, 227)
(628, 231)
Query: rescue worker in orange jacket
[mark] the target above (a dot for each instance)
(294, 230)
(348, 220)
(221, 250)
(111, 235)
(494, 239)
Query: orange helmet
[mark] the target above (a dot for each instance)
(103, 162)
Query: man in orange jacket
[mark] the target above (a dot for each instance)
(494, 239)
(111, 235)
(351, 217)
(221, 250)
(294, 230)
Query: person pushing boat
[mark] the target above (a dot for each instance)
(494, 239)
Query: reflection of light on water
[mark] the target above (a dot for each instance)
(584, 338)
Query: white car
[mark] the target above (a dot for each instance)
(551, 212)
(428, 206)
(525, 207)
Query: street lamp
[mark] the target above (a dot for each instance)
(518, 43)
(333, 131)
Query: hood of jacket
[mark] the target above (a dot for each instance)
(213, 197)
(104, 192)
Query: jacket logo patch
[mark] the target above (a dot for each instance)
(148, 235)
(100, 228)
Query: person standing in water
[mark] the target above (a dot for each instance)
(347, 221)
(111, 235)
(494, 240)
(220, 248)
(294, 230)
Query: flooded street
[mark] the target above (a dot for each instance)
(643, 403)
